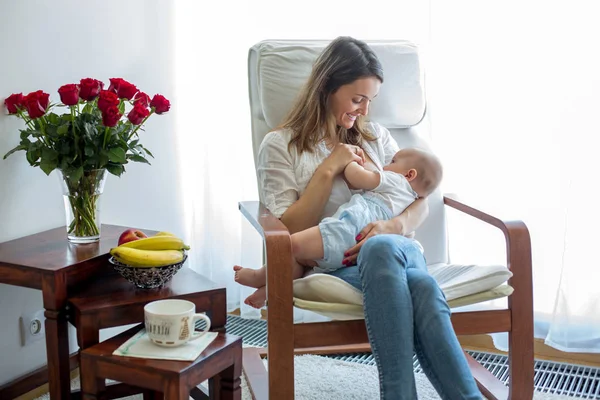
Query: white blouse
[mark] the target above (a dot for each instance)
(283, 175)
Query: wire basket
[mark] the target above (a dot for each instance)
(147, 277)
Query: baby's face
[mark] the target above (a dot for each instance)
(399, 164)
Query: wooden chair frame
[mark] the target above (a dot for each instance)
(286, 339)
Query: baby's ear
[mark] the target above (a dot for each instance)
(411, 174)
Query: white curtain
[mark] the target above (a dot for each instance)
(514, 91)
(211, 106)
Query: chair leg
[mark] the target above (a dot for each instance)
(521, 364)
(488, 384)
(280, 322)
(256, 374)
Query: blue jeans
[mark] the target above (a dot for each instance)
(406, 313)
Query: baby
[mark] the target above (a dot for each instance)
(412, 174)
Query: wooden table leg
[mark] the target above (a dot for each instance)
(218, 311)
(89, 385)
(88, 334)
(57, 351)
(229, 379)
(54, 294)
(176, 391)
(152, 395)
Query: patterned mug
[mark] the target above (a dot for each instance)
(171, 322)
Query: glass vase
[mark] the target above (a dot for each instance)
(82, 204)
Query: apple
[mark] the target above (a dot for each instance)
(130, 235)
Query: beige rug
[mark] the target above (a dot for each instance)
(321, 378)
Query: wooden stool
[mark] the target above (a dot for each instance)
(112, 301)
(220, 363)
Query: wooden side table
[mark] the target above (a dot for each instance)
(113, 301)
(48, 262)
(220, 363)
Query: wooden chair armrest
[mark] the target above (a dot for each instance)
(518, 247)
(261, 219)
(280, 294)
(278, 247)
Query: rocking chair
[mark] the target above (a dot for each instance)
(277, 70)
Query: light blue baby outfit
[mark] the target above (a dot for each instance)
(388, 199)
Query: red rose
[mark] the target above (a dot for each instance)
(14, 102)
(90, 88)
(69, 94)
(107, 99)
(160, 104)
(122, 88)
(137, 114)
(142, 98)
(111, 116)
(36, 103)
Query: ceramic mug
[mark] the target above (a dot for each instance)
(172, 322)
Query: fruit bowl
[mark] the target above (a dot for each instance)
(147, 277)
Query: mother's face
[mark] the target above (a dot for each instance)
(352, 100)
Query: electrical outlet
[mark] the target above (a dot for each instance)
(32, 327)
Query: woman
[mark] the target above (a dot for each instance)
(299, 168)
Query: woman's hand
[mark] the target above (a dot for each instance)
(404, 224)
(372, 229)
(342, 155)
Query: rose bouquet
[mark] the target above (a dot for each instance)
(97, 132)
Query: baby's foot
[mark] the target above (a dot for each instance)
(250, 277)
(258, 298)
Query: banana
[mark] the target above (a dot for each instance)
(157, 243)
(146, 258)
(164, 233)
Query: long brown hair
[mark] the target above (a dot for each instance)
(342, 62)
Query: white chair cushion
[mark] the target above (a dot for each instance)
(284, 66)
(342, 312)
(461, 284)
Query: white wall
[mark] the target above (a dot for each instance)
(43, 45)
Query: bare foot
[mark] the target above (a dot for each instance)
(255, 278)
(258, 298)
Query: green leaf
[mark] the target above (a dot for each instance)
(138, 158)
(87, 109)
(53, 118)
(25, 134)
(63, 129)
(64, 163)
(18, 148)
(76, 175)
(102, 160)
(115, 169)
(148, 152)
(90, 130)
(64, 148)
(117, 155)
(49, 154)
(32, 155)
(51, 132)
(48, 165)
(89, 150)
(37, 145)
